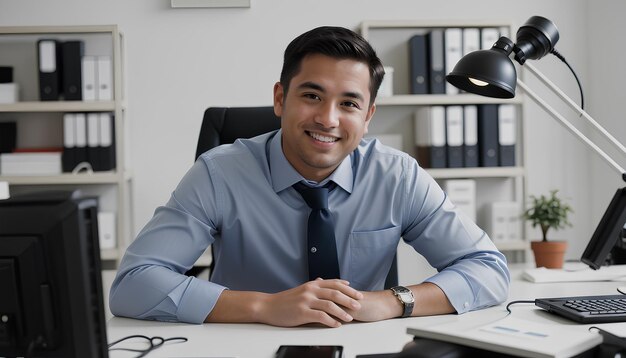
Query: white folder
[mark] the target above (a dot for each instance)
(105, 79)
(90, 79)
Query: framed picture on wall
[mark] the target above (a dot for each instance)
(209, 3)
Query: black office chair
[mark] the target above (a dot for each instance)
(222, 125)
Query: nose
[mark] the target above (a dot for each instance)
(328, 116)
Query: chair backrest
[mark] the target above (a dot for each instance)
(223, 125)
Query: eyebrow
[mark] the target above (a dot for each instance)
(317, 87)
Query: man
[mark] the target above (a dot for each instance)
(241, 199)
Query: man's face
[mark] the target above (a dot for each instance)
(324, 114)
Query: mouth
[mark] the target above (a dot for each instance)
(322, 138)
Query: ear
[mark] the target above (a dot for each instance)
(370, 114)
(279, 98)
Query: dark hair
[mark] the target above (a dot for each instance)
(335, 42)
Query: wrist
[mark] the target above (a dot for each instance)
(404, 296)
(258, 307)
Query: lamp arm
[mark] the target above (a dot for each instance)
(572, 128)
(575, 107)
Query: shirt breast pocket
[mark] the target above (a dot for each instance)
(371, 255)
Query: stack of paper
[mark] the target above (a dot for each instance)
(36, 163)
(605, 273)
(516, 336)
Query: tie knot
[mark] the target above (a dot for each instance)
(315, 198)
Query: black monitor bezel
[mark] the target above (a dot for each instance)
(608, 232)
(65, 228)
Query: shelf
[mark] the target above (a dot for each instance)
(492, 172)
(395, 24)
(58, 106)
(442, 99)
(95, 178)
(47, 30)
(35, 118)
(512, 245)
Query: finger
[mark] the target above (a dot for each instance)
(345, 282)
(332, 309)
(341, 298)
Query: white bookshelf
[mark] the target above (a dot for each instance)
(395, 115)
(18, 48)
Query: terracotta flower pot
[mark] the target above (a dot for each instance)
(549, 254)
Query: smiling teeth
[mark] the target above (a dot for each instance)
(322, 138)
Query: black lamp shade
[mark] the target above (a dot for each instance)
(493, 67)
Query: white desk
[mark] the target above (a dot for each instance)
(261, 341)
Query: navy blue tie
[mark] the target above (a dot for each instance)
(321, 244)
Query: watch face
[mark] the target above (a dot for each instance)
(406, 297)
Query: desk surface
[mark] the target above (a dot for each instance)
(261, 341)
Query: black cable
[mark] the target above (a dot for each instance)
(34, 344)
(518, 301)
(580, 87)
(154, 342)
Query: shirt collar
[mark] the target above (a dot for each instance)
(284, 175)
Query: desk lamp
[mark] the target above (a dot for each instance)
(491, 73)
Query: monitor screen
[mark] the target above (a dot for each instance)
(51, 302)
(608, 233)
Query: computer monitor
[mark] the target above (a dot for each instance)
(606, 245)
(51, 302)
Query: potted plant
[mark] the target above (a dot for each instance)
(548, 212)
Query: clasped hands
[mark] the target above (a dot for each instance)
(326, 302)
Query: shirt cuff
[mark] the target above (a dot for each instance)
(456, 288)
(198, 301)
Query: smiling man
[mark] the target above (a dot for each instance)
(305, 221)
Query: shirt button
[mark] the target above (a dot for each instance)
(466, 304)
(314, 249)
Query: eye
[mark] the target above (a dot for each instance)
(351, 104)
(312, 96)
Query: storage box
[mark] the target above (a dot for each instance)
(9, 92)
(48, 163)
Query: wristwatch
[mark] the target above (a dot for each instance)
(406, 298)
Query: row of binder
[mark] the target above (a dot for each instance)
(88, 138)
(66, 73)
(466, 136)
(435, 53)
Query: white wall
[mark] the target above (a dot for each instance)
(606, 89)
(180, 61)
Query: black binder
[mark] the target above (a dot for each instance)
(81, 138)
(418, 55)
(106, 145)
(437, 81)
(488, 135)
(68, 157)
(93, 141)
(454, 136)
(8, 136)
(506, 135)
(50, 67)
(72, 72)
(430, 136)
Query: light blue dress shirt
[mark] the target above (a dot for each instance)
(239, 199)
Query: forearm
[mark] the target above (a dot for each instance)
(429, 300)
(381, 305)
(237, 307)
(319, 301)
(155, 292)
